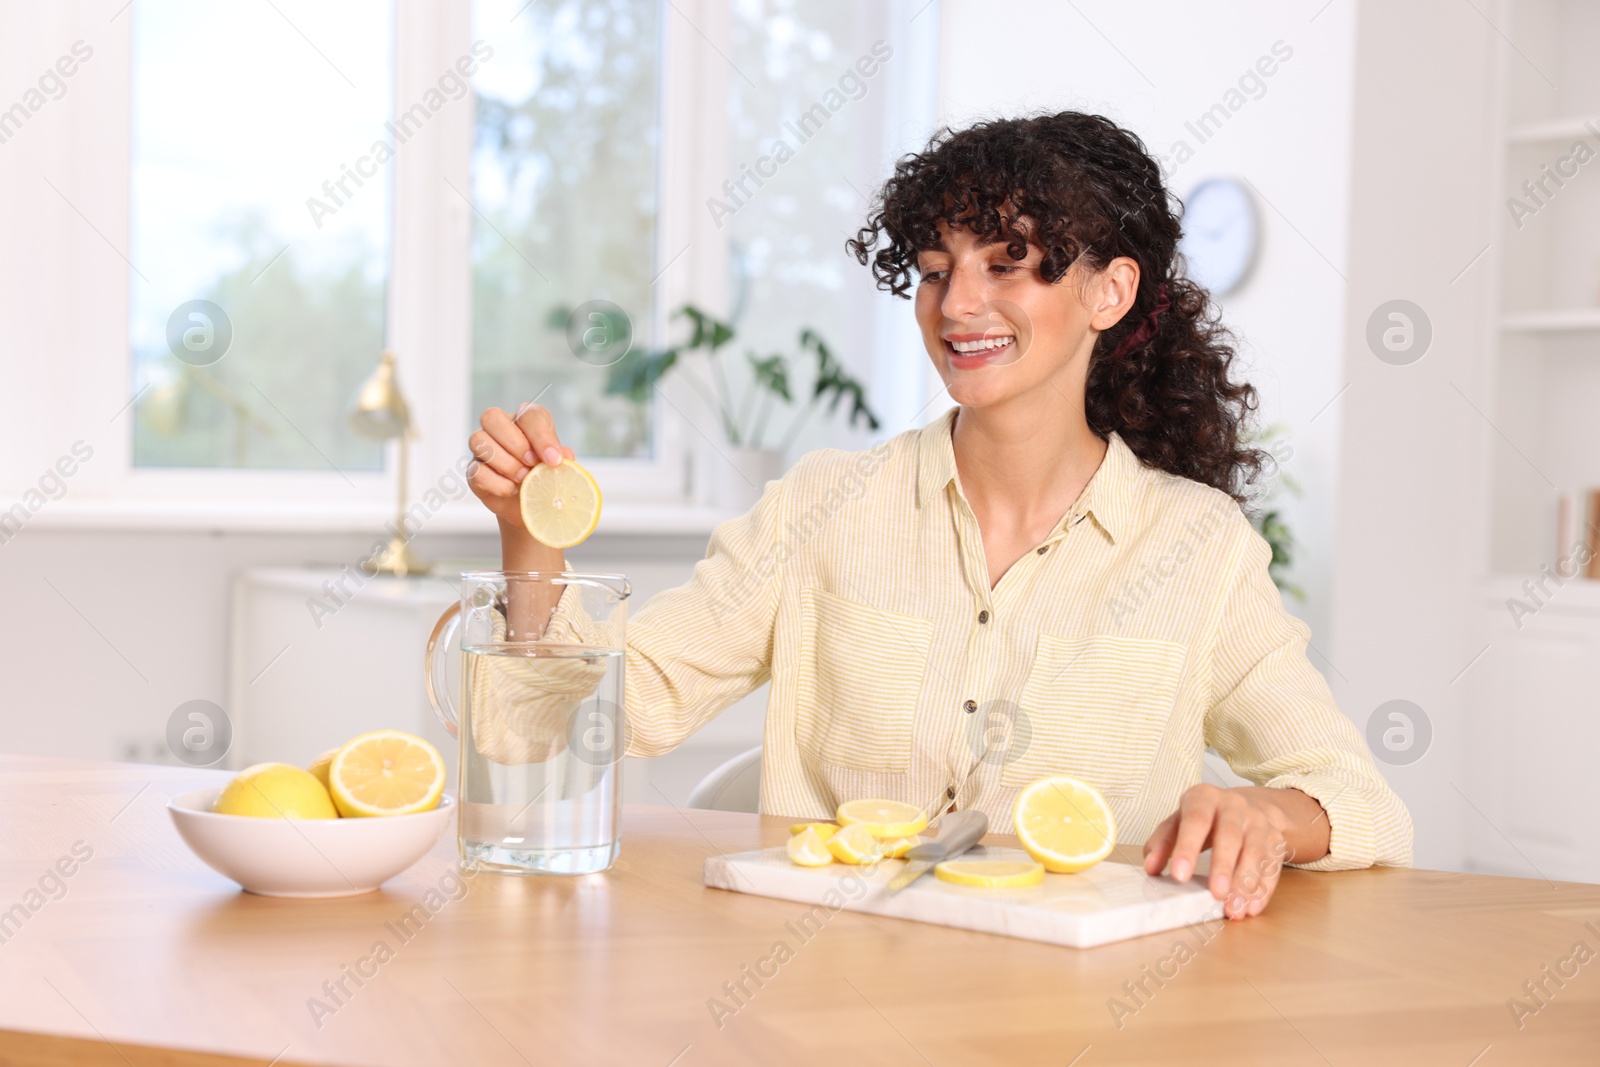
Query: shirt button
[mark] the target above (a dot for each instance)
(971, 706)
(950, 794)
(1043, 549)
(983, 616)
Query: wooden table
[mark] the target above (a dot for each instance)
(149, 958)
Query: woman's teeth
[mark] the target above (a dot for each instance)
(988, 344)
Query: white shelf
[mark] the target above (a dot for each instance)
(1570, 320)
(1576, 594)
(1574, 127)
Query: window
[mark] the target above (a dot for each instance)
(260, 257)
(237, 254)
(804, 145)
(564, 174)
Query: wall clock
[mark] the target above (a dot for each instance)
(1221, 234)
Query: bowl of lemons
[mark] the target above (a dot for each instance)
(357, 816)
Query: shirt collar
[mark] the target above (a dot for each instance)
(936, 458)
(1107, 497)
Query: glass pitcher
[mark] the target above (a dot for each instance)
(539, 717)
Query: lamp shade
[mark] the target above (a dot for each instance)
(381, 413)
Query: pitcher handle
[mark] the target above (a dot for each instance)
(434, 668)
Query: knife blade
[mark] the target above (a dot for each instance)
(957, 833)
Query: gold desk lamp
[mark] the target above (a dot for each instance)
(381, 414)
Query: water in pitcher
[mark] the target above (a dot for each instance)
(542, 737)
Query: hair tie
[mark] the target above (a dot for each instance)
(1147, 328)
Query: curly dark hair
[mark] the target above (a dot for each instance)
(1086, 188)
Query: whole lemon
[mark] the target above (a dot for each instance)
(319, 766)
(276, 790)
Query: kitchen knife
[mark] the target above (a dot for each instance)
(958, 832)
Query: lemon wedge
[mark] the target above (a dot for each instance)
(386, 772)
(273, 791)
(896, 847)
(808, 849)
(990, 874)
(856, 844)
(560, 505)
(1065, 824)
(884, 818)
(824, 830)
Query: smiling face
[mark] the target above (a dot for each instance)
(997, 331)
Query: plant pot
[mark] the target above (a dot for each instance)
(739, 475)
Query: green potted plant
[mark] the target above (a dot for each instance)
(758, 438)
(1267, 518)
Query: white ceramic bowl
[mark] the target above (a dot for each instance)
(306, 857)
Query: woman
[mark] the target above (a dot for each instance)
(1055, 577)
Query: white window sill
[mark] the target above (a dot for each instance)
(334, 517)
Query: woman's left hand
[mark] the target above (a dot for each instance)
(1251, 832)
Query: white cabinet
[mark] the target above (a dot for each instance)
(307, 672)
(1534, 736)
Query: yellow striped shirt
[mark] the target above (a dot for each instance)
(1143, 629)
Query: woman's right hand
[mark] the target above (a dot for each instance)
(506, 448)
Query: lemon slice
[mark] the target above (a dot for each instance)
(1064, 824)
(560, 505)
(824, 830)
(808, 849)
(386, 772)
(275, 791)
(885, 818)
(855, 844)
(319, 766)
(990, 874)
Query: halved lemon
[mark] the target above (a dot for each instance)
(560, 505)
(808, 849)
(1065, 824)
(885, 818)
(824, 830)
(990, 874)
(386, 772)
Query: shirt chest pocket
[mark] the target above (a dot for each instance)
(1097, 708)
(858, 679)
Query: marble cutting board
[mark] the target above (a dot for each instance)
(1108, 902)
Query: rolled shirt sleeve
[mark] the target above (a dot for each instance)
(1274, 719)
(695, 649)
(523, 707)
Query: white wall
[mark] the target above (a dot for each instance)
(1153, 67)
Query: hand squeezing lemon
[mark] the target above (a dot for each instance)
(545, 501)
